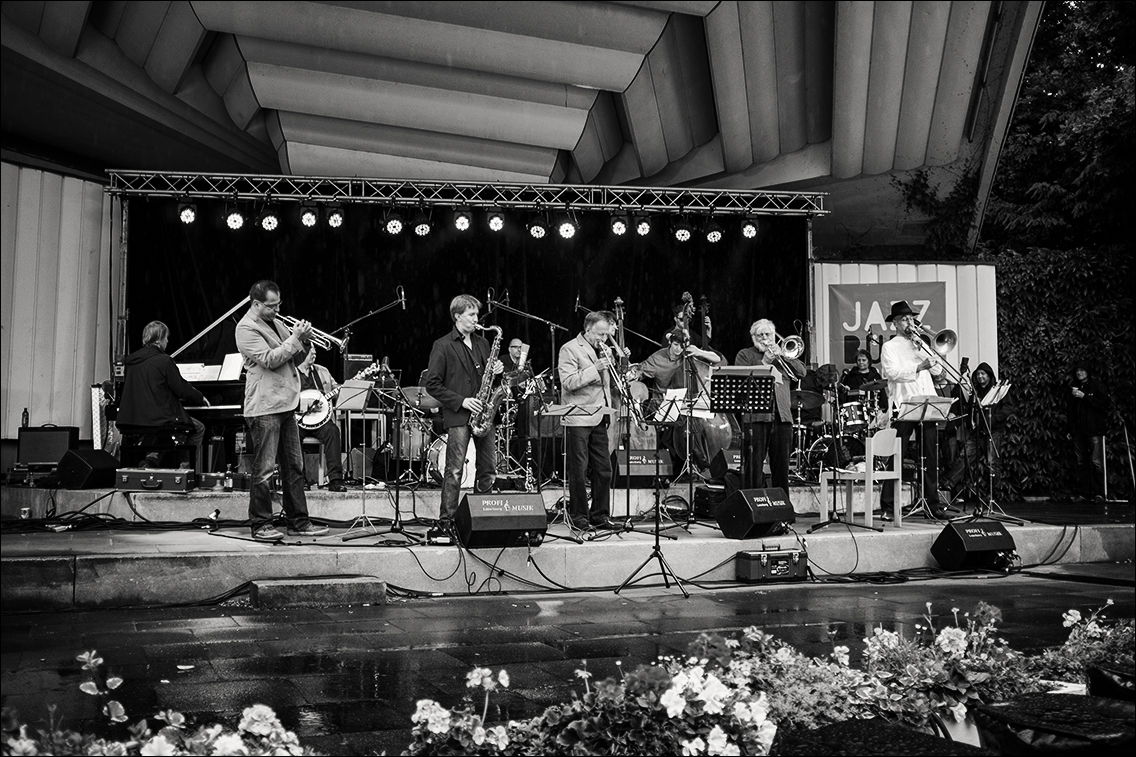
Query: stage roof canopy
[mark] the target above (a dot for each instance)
(836, 97)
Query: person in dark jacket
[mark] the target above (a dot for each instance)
(1088, 422)
(983, 432)
(155, 390)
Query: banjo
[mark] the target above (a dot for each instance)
(315, 407)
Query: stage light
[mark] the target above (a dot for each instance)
(309, 216)
(462, 219)
(496, 220)
(714, 231)
(422, 224)
(234, 219)
(538, 227)
(642, 225)
(749, 227)
(269, 219)
(335, 216)
(187, 212)
(682, 230)
(619, 224)
(394, 222)
(566, 226)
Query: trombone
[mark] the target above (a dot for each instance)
(942, 343)
(321, 339)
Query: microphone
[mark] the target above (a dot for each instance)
(402, 297)
(489, 300)
(506, 300)
(577, 302)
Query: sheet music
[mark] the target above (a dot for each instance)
(191, 371)
(231, 368)
(996, 395)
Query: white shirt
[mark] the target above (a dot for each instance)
(899, 364)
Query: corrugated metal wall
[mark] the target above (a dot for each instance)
(56, 297)
(971, 302)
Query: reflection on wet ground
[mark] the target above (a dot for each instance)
(347, 679)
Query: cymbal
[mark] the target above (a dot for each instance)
(418, 398)
(806, 399)
(874, 386)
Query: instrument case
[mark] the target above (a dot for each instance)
(768, 565)
(155, 480)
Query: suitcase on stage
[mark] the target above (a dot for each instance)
(155, 480)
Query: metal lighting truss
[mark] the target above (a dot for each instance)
(419, 194)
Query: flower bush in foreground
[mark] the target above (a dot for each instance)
(1093, 641)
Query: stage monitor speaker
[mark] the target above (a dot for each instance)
(642, 466)
(755, 513)
(87, 469)
(725, 461)
(501, 520)
(45, 445)
(977, 544)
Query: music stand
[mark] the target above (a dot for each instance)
(665, 569)
(986, 510)
(924, 408)
(353, 396)
(743, 389)
(666, 414)
(564, 411)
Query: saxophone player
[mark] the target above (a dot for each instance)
(585, 367)
(457, 362)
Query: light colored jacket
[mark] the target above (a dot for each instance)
(272, 382)
(582, 383)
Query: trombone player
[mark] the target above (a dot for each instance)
(910, 371)
(771, 433)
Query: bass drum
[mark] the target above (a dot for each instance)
(436, 462)
(844, 453)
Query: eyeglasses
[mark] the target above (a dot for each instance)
(270, 305)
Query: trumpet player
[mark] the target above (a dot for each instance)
(272, 391)
(911, 372)
(769, 433)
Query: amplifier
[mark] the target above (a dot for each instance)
(772, 565)
(45, 445)
(501, 520)
(642, 463)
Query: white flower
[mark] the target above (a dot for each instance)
(693, 747)
(742, 712)
(674, 701)
(22, 746)
(952, 641)
(229, 744)
(498, 736)
(717, 740)
(479, 735)
(959, 712)
(1071, 618)
(759, 708)
(158, 746)
(503, 679)
(840, 654)
(259, 719)
(765, 735)
(733, 643)
(712, 694)
(1093, 631)
(439, 721)
(784, 655)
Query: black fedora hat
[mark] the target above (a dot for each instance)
(898, 309)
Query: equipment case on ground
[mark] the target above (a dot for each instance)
(155, 480)
(772, 565)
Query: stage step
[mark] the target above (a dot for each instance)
(326, 591)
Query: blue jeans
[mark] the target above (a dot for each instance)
(276, 441)
(456, 445)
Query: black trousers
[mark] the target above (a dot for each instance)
(328, 433)
(767, 438)
(928, 435)
(587, 449)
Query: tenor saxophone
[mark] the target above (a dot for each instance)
(481, 423)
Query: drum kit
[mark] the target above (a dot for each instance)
(841, 443)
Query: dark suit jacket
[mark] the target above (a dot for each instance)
(454, 373)
(153, 387)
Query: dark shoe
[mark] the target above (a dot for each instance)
(581, 525)
(886, 516)
(606, 524)
(940, 514)
(309, 530)
(337, 486)
(267, 533)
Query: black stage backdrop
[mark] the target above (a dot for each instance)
(188, 275)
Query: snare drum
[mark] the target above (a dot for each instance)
(436, 462)
(853, 417)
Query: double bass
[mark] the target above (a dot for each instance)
(721, 430)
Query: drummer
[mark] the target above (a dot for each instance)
(814, 386)
(854, 379)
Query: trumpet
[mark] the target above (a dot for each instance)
(321, 339)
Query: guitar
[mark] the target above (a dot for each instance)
(315, 408)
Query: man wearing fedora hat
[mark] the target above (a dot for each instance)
(910, 372)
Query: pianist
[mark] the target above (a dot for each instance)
(155, 390)
(272, 394)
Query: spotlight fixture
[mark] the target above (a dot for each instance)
(187, 212)
(496, 220)
(538, 227)
(335, 216)
(421, 224)
(749, 227)
(642, 225)
(462, 219)
(566, 226)
(234, 219)
(619, 224)
(682, 230)
(714, 231)
(309, 216)
(269, 218)
(394, 222)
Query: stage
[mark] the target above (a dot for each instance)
(102, 549)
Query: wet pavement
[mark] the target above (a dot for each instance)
(346, 679)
